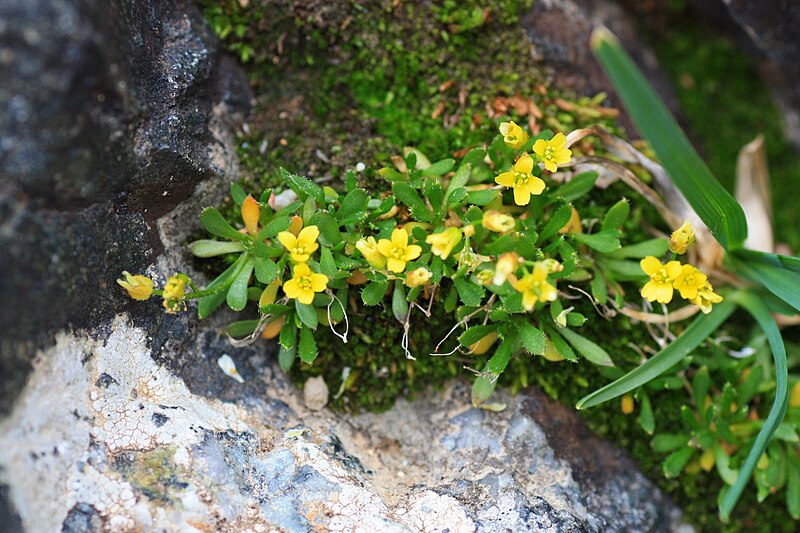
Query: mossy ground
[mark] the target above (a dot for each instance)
(340, 86)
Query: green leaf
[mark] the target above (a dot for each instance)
(216, 224)
(789, 262)
(237, 293)
(474, 156)
(499, 361)
(557, 221)
(207, 304)
(353, 206)
(587, 348)
(576, 187)
(655, 247)
(482, 389)
(672, 354)
(605, 242)
(288, 335)
(237, 193)
(304, 187)
(307, 314)
(327, 265)
(646, 418)
(599, 288)
(624, 270)
(328, 228)
(286, 357)
(780, 282)
(701, 384)
(266, 270)
(439, 168)
(408, 195)
(470, 293)
(713, 204)
(241, 328)
(374, 292)
(560, 344)
(458, 181)
(308, 346)
(211, 248)
(273, 227)
(674, 463)
(616, 215)
(667, 442)
(399, 303)
(532, 337)
(475, 333)
(483, 197)
(760, 312)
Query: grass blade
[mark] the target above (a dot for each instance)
(758, 309)
(697, 332)
(779, 281)
(789, 262)
(714, 205)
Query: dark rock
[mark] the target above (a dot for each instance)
(9, 519)
(560, 33)
(110, 115)
(82, 518)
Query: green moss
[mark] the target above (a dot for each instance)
(153, 473)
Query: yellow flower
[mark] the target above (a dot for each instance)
(369, 249)
(300, 247)
(442, 243)
(418, 276)
(304, 284)
(682, 238)
(520, 178)
(535, 287)
(705, 297)
(662, 276)
(553, 152)
(139, 287)
(513, 135)
(174, 291)
(498, 222)
(397, 251)
(506, 266)
(689, 282)
(250, 213)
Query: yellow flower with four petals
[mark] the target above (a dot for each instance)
(553, 152)
(442, 243)
(659, 288)
(300, 247)
(535, 287)
(397, 250)
(304, 284)
(521, 180)
(139, 287)
(513, 135)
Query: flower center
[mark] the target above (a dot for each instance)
(397, 252)
(520, 178)
(549, 153)
(304, 282)
(662, 276)
(299, 249)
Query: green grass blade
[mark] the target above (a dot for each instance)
(758, 309)
(789, 262)
(714, 205)
(697, 332)
(785, 284)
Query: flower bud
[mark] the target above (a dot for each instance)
(506, 266)
(682, 238)
(442, 243)
(250, 214)
(417, 277)
(369, 249)
(498, 222)
(138, 287)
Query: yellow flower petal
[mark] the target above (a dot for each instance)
(506, 179)
(412, 252)
(400, 237)
(287, 239)
(558, 142)
(539, 147)
(395, 265)
(309, 234)
(306, 297)
(319, 282)
(522, 195)
(292, 288)
(650, 265)
(524, 164)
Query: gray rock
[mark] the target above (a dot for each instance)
(105, 438)
(110, 114)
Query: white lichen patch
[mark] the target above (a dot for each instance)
(431, 512)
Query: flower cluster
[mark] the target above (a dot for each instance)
(665, 278)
